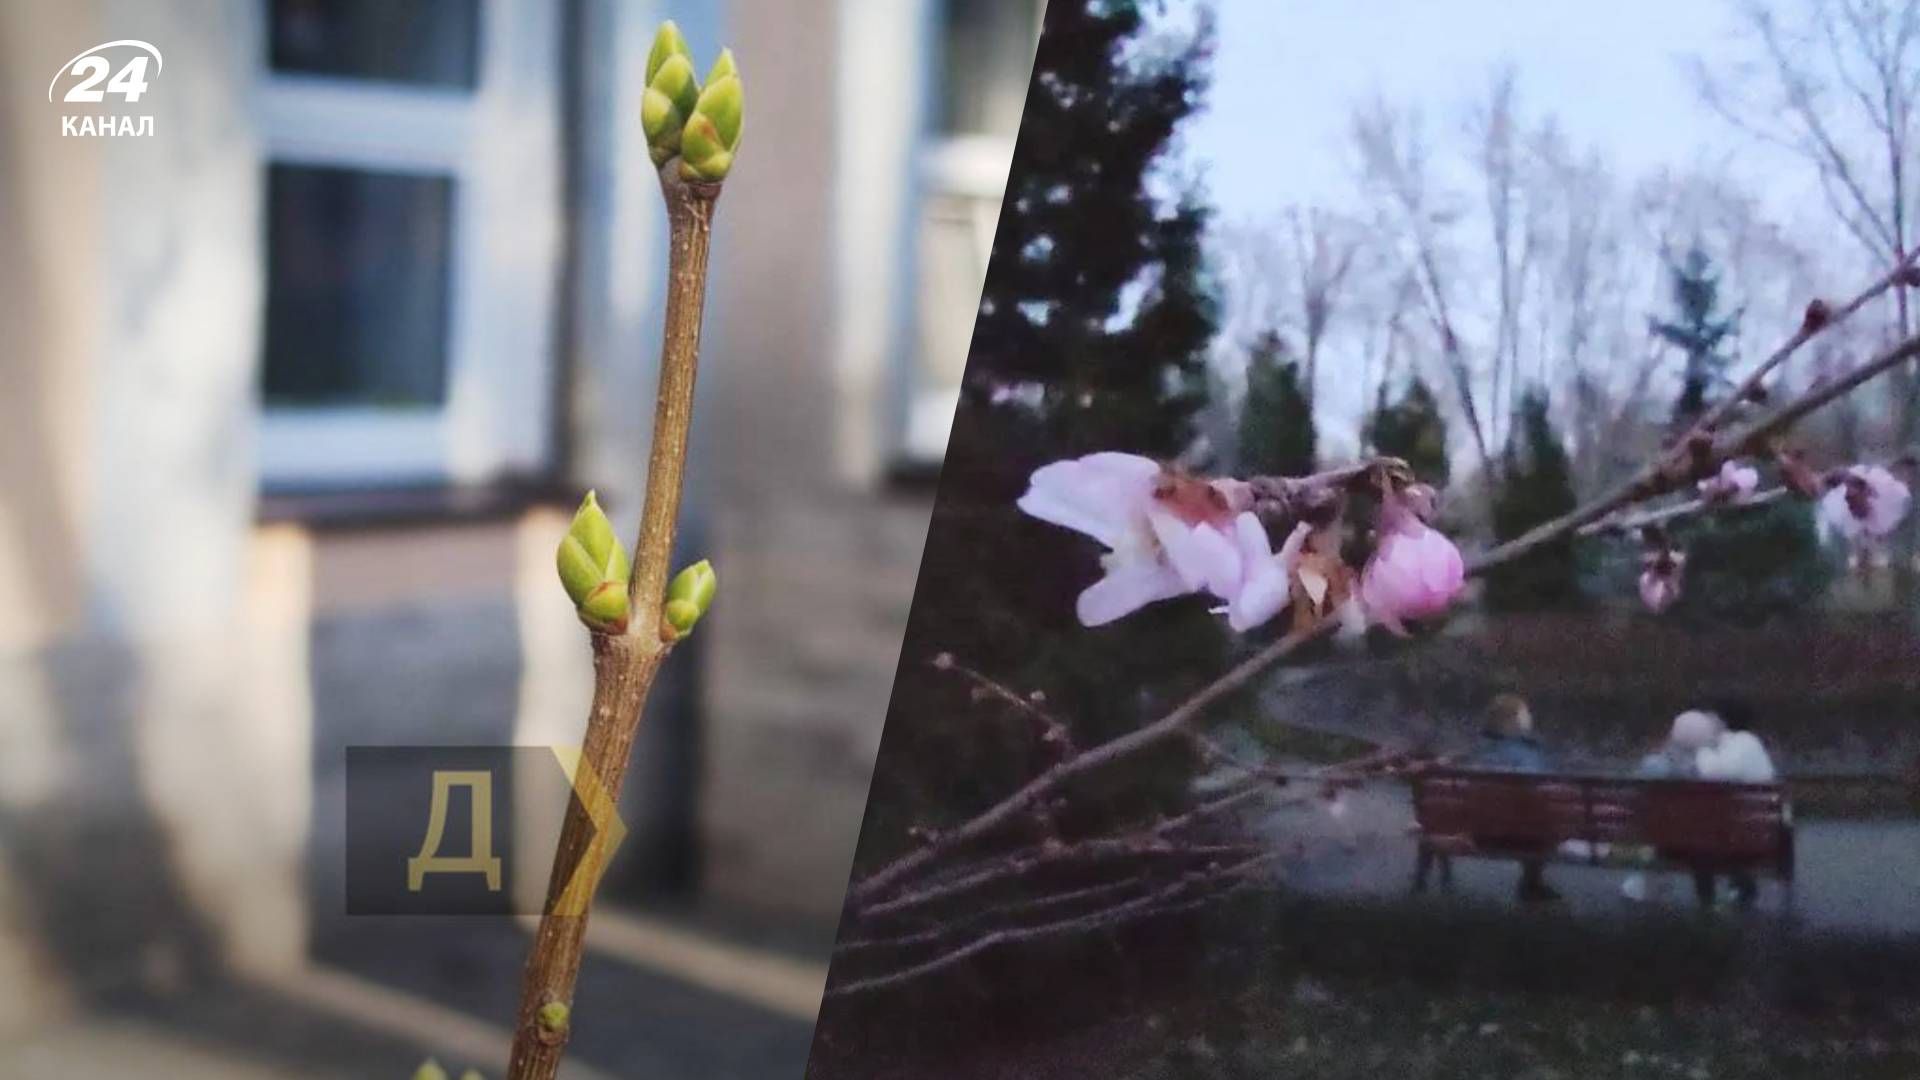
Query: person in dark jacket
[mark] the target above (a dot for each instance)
(1508, 743)
(1507, 740)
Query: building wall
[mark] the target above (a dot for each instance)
(176, 677)
(817, 558)
(155, 743)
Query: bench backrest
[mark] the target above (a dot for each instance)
(1682, 817)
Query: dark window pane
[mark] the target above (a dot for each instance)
(987, 53)
(357, 278)
(433, 42)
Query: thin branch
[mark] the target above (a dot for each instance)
(690, 217)
(1754, 437)
(866, 891)
(944, 931)
(1168, 900)
(1632, 523)
(624, 664)
(1149, 842)
(1809, 329)
(1668, 471)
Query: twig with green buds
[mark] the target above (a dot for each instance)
(633, 614)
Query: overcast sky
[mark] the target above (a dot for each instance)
(1288, 73)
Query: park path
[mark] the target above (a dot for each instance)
(1854, 877)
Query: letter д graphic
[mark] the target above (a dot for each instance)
(480, 858)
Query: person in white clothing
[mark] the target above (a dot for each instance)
(1739, 757)
(1693, 732)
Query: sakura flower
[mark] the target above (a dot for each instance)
(1863, 505)
(1266, 575)
(1735, 481)
(1166, 535)
(1415, 572)
(1660, 577)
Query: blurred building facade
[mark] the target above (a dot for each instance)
(301, 387)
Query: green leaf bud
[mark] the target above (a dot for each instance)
(668, 42)
(555, 1016)
(605, 608)
(680, 615)
(671, 93)
(712, 133)
(430, 1070)
(594, 568)
(696, 585)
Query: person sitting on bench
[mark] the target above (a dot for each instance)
(1678, 759)
(1508, 743)
(1737, 756)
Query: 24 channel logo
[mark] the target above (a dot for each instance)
(122, 69)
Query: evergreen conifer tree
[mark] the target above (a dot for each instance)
(1535, 486)
(1092, 335)
(1097, 296)
(1699, 330)
(1412, 429)
(1276, 420)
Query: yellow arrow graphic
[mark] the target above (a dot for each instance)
(608, 832)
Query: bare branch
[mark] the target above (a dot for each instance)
(1634, 522)
(1005, 812)
(1187, 892)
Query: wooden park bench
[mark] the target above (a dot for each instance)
(1619, 822)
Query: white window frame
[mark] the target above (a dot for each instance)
(971, 171)
(499, 143)
(968, 169)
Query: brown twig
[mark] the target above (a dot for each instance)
(1009, 809)
(1693, 458)
(1149, 842)
(1631, 522)
(624, 665)
(943, 931)
(1817, 320)
(1257, 780)
(1166, 900)
(1755, 437)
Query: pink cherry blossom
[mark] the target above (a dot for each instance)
(1863, 505)
(1166, 535)
(1415, 571)
(1266, 576)
(1735, 481)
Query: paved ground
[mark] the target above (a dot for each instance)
(669, 998)
(1855, 878)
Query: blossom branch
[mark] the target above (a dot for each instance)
(1755, 437)
(1703, 451)
(1626, 523)
(1818, 318)
(1693, 458)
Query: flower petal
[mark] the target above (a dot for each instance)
(1251, 538)
(1127, 589)
(1263, 596)
(1202, 555)
(1101, 495)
